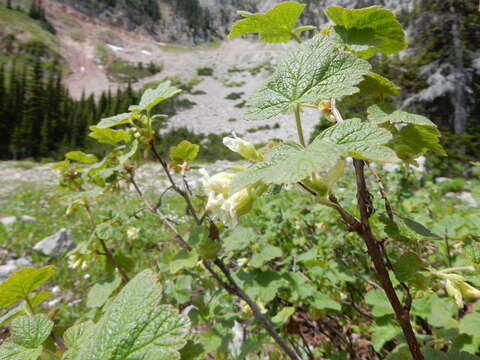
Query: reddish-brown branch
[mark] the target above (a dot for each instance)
(375, 252)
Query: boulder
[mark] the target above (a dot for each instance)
(55, 244)
(13, 265)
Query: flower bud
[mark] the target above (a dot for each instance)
(132, 233)
(242, 147)
(219, 183)
(468, 290)
(238, 204)
(453, 291)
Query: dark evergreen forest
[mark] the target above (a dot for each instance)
(39, 118)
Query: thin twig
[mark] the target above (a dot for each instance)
(160, 200)
(381, 187)
(175, 187)
(305, 187)
(256, 310)
(108, 254)
(230, 285)
(408, 299)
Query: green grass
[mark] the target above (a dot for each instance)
(67, 20)
(123, 70)
(20, 24)
(47, 204)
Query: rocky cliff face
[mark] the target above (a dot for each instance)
(195, 21)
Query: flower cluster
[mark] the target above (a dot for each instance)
(221, 202)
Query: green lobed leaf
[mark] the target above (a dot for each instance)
(377, 85)
(361, 41)
(469, 324)
(136, 326)
(13, 313)
(265, 254)
(181, 289)
(315, 70)
(40, 297)
(208, 248)
(30, 331)
(276, 25)
(401, 352)
(415, 140)
(261, 285)
(101, 291)
(379, 302)
(128, 154)
(289, 163)
(12, 351)
(239, 239)
(407, 266)
(109, 136)
(431, 354)
(323, 301)
(381, 334)
(383, 113)
(442, 312)
(361, 140)
(184, 260)
(73, 336)
(282, 317)
(380, 25)
(299, 287)
(81, 157)
(21, 283)
(153, 97)
(420, 229)
(114, 121)
(184, 152)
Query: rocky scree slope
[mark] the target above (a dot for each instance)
(194, 21)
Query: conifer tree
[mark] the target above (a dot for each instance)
(34, 109)
(4, 131)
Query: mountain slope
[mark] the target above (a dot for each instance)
(194, 21)
(22, 38)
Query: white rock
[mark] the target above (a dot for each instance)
(238, 338)
(55, 244)
(115, 48)
(13, 265)
(10, 220)
(56, 289)
(467, 197)
(7, 269)
(53, 302)
(74, 303)
(441, 179)
(391, 167)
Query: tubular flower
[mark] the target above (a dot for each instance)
(459, 289)
(454, 292)
(237, 205)
(228, 208)
(216, 188)
(242, 147)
